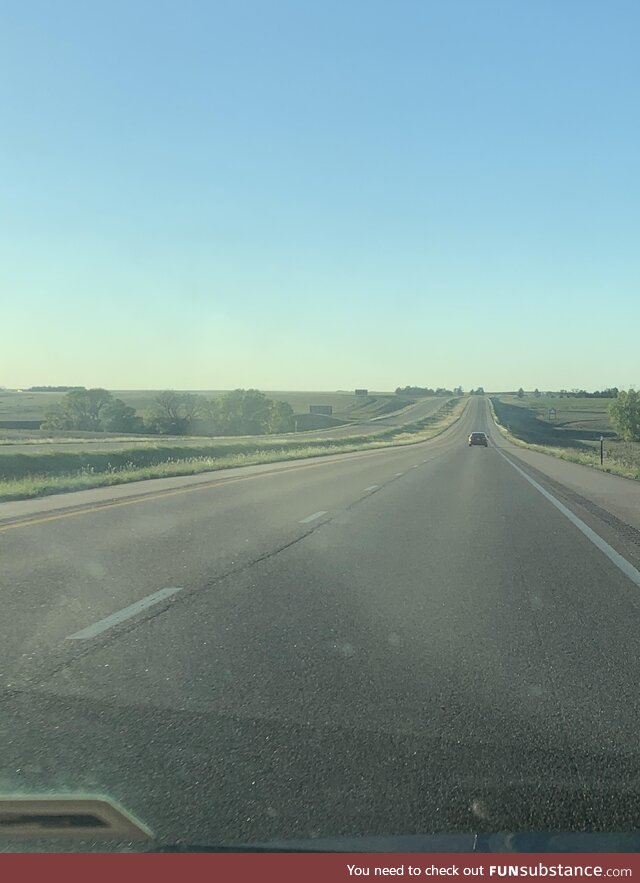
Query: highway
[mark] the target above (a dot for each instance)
(419, 639)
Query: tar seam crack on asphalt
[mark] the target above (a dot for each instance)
(39, 674)
(156, 611)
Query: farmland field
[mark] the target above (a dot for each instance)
(575, 422)
(343, 403)
(573, 432)
(22, 412)
(25, 406)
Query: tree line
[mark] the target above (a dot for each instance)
(609, 393)
(241, 412)
(624, 407)
(427, 391)
(247, 412)
(52, 388)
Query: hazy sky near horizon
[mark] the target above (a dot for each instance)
(320, 195)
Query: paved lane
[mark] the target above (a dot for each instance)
(441, 649)
(80, 557)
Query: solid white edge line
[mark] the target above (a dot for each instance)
(126, 613)
(312, 517)
(372, 487)
(621, 563)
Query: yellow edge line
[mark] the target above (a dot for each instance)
(87, 510)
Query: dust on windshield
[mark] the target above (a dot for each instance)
(319, 417)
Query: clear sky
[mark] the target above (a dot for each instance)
(320, 195)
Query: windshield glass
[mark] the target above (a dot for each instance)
(281, 558)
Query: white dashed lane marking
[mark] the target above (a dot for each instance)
(312, 517)
(126, 613)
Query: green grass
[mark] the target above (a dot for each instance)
(27, 405)
(36, 475)
(574, 433)
(577, 423)
(346, 406)
(40, 437)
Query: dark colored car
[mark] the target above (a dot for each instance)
(478, 438)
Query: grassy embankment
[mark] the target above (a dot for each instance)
(573, 433)
(26, 475)
(23, 406)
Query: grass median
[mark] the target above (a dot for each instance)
(25, 476)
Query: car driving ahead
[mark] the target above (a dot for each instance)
(478, 438)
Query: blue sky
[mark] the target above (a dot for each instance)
(298, 195)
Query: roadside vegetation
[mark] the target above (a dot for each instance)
(25, 476)
(241, 412)
(52, 412)
(570, 426)
(416, 391)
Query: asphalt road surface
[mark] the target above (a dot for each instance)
(421, 639)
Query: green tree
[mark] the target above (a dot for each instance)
(521, 393)
(81, 409)
(249, 412)
(243, 412)
(624, 412)
(420, 391)
(119, 417)
(56, 418)
(171, 412)
(280, 417)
